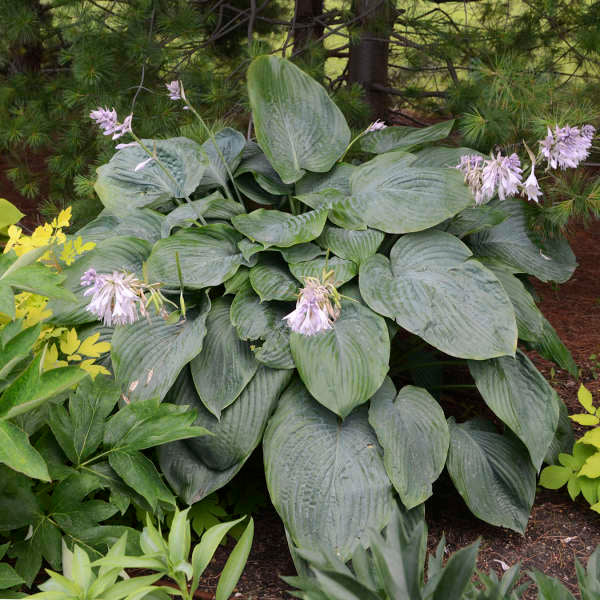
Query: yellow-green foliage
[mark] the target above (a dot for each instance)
(581, 469)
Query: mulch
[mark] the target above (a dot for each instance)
(558, 529)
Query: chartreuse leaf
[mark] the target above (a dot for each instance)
(232, 571)
(351, 245)
(276, 228)
(510, 242)
(519, 395)
(208, 256)
(432, 287)
(395, 194)
(591, 467)
(19, 454)
(32, 388)
(492, 472)
(554, 477)
(226, 363)
(122, 189)
(412, 430)
(9, 215)
(198, 466)
(584, 396)
(345, 365)
(396, 138)
(114, 254)
(297, 125)
(148, 355)
(330, 486)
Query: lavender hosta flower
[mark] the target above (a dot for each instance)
(142, 164)
(501, 175)
(174, 89)
(531, 186)
(566, 147)
(471, 166)
(129, 145)
(108, 121)
(115, 297)
(375, 126)
(314, 311)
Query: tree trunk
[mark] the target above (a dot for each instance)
(368, 62)
(306, 29)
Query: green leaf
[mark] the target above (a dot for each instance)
(276, 228)
(554, 477)
(301, 252)
(588, 420)
(330, 486)
(231, 144)
(521, 397)
(432, 287)
(180, 537)
(211, 207)
(297, 125)
(18, 504)
(7, 300)
(226, 363)
(114, 254)
(344, 366)
(351, 245)
(344, 270)
(345, 211)
(148, 355)
(19, 454)
(337, 179)
(474, 219)
(31, 388)
(457, 573)
(208, 255)
(492, 473)
(264, 174)
(189, 465)
(140, 473)
(443, 156)
(549, 588)
(9, 215)
(563, 437)
(400, 137)
(510, 242)
(39, 279)
(271, 280)
(123, 190)
(395, 194)
(275, 351)
(252, 318)
(144, 224)
(232, 571)
(413, 432)
(8, 576)
(146, 423)
(18, 348)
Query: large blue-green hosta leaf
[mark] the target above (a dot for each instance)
(414, 434)
(271, 280)
(114, 254)
(122, 189)
(208, 256)
(511, 243)
(297, 125)
(231, 145)
(326, 478)
(492, 473)
(225, 365)
(519, 395)
(404, 138)
(343, 270)
(395, 194)
(148, 355)
(196, 467)
(344, 366)
(434, 288)
(351, 245)
(144, 224)
(276, 228)
(443, 156)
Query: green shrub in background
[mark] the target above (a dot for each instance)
(393, 271)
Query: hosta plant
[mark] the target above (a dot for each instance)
(320, 306)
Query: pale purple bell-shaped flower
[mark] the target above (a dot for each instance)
(566, 147)
(314, 311)
(376, 126)
(106, 119)
(531, 187)
(471, 166)
(501, 175)
(174, 89)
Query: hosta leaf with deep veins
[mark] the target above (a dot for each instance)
(519, 395)
(351, 245)
(122, 189)
(432, 286)
(198, 466)
(297, 124)
(276, 228)
(326, 478)
(271, 280)
(230, 144)
(144, 224)
(343, 270)
(492, 473)
(115, 254)
(510, 242)
(148, 355)
(225, 365)
(395, 194)
(413, 432)
(400, 137)
(208, 256)
(344, 366)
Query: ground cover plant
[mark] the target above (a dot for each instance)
(324, 324)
